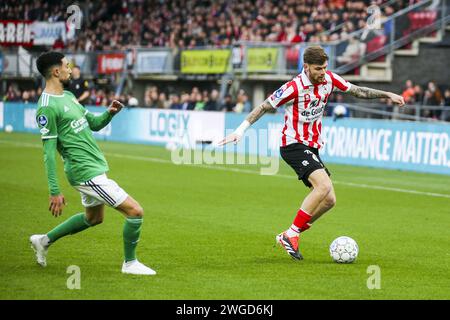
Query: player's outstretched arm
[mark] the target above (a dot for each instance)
(97, 123)
(252, 117)
(369, 93)
(56, 200)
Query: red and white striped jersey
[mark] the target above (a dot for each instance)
(305, 103)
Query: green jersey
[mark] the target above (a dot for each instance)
(66, 125)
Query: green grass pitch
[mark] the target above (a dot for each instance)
(210, 233)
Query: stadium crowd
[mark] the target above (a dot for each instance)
(429, 94)
(120, 24)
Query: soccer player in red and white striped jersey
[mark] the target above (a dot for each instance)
(304, 99)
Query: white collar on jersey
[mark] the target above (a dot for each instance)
(305, 80)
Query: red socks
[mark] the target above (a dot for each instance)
(301, 220)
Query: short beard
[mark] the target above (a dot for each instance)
(65, 83)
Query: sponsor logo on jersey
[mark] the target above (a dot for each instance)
(78, 125)
(66, 108)
(308, 152)
(305, 163)
(42, 120)
(315, 158)
(312, 112)
(313, 104)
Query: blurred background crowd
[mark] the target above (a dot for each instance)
(120, 24)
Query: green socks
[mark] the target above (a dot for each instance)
(78, 222)
(72, 225)
(131, 232)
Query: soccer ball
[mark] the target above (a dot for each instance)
(344, 250)
(9, 128)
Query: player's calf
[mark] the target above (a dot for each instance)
(329, 201)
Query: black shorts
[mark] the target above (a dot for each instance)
(303, 159)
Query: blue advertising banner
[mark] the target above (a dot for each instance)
(415, 146)
(147, 126)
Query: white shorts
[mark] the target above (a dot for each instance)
(101, 190)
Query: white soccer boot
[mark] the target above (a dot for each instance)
(39, 248)
(135, 267)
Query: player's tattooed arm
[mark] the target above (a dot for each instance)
(259, 111)
(369, 93)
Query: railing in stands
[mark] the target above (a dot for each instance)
(397, 31)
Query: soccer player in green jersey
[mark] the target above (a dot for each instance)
(66, 126)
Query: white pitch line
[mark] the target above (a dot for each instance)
(158, 160)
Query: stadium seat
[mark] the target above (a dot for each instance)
(376, 44)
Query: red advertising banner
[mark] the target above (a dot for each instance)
(110, 63)
(15, 33)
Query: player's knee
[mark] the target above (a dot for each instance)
(136, 211)
(324, 189)
(93, 221)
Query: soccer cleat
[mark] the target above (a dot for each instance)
(290, 245)
(39, 249)
(135, 267)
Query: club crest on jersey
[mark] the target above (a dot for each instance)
(279, 93)
(42, 120)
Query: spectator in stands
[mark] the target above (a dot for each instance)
(100, 98)
(174, 102)
(199, 103)
(409, 93)
(151, 97)
(418, 94)
(353, 51)
(26, 97)
(212, 103)
(242, 105)
(162, 102)
(132, 102)
(58, 44)
(186, 104)
(79, 86)
(432, 97)
(227, 105)
(447, 97)
(446, 113)
(12, 94)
